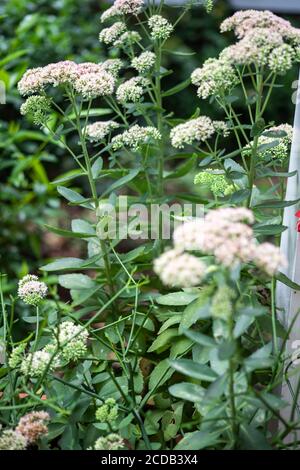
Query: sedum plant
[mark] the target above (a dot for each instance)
(161, 347)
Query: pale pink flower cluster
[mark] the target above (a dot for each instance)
(265, 39)
(268, 258)
(92, 85)
(178, 269)
(244, 21)
(225, 233)
(100, 129)
(196, 131)
(67, 73)
(33, 426)
(133, 7)
(111, 12)
(31, 290)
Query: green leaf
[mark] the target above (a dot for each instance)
(239, 196)
(194, 370)
(271, 229)
(122, 181)
(76, 281)
(242, 324)
(97, 167)
(198, 440)
(198, 309)
(200, 338)
(67, 233)
(285, 280)
(226, 350)
(63, 263)
(176, 89)
(183, 169)
(258, 127)
(275, 204)
(252, 439)
(160, 374)
(81, 226)
(164, 339)
(188, 391)
(176, 298)
(70, 195)
(68, 176)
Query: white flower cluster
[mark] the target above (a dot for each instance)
(215, 78)
(73, 340)
(36, 363)
(87, 78)
(67, 344)
(129, 38)
(100, 129)
(110, 13)
(196, 130)
(178, 269)
(160, 28)
(132, 90)
(31, 290)
(112, 66)
(135, 136)
(109, 35)
(144, 62)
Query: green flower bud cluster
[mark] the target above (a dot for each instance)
(216, 182)
(108, 412)
(209, 4)
(16, 356)
(275, 146)
(38, 108)
(221, 306)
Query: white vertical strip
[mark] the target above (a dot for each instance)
(288, 301)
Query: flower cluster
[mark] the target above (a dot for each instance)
(33, 426)
(144, 62)
(244, 21)
(160, 28)
(215, 78)
(31, 290)
(16, 356)
(35, 364)
(275, 146)
(72, 338)
(29, 430)
(110, 13)
(111, 442)
(109, 35)
(100, 129)
(196, 130)
(12, 440)
(215, 181)
(135, 137)
(178, 269)
(264, 39)
(89, 79)
(108, 412)
(223, 233)
(132, 90)
(129, 7)
(127, 39)
(92, 85)
(38, 108)
(221, 306)
(112, 66)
